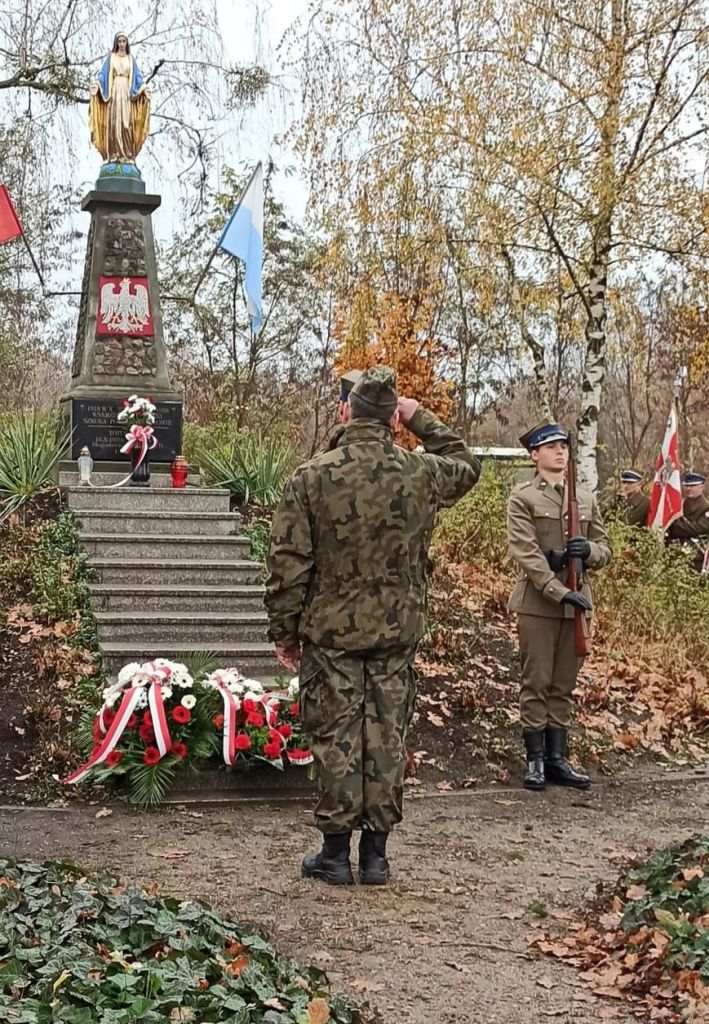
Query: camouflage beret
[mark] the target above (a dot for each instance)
(377, 388)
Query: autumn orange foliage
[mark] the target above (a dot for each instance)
(395, 330)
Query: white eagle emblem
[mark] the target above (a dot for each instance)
(124, 311)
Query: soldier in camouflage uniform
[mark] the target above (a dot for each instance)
(346, 596)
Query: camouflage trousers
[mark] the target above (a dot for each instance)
(356, 708)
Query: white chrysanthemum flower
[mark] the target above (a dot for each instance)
(166, 692)
(253, 686)
(128, 671)
(142, 701)
(188, 701)
(110, 697)
(294, 687)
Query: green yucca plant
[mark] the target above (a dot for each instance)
(30, 447)
(252, 469)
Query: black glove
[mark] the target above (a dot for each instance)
(578, 547)
(575, 598)
(556, 560)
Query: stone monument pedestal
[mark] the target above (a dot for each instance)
(120, 349)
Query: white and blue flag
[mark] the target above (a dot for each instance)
(243, 237)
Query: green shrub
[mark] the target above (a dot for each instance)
(30, 448)
(475, 530)
(651, 591)
(251, 468)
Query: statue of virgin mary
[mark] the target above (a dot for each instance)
(119, 108)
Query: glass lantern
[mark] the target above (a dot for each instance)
(85, 464)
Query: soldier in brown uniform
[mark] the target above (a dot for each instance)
(693, 524)
(637, 503)
(346, 601)
(545, 605)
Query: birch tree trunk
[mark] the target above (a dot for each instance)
(596, 294)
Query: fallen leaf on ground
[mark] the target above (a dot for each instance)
(318, 1011)
(105, 812)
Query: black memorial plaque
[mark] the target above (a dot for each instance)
(95, 424)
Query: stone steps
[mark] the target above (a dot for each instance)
(174, 578)
(168, 524)
(110, 597)
(172, 572)
(177, 547)
(148, 499)
(253, 659)
(170, 627)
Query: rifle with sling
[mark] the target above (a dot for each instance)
(582, 635)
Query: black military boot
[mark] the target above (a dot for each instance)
(558, 769)
(373, 864)
(332, 864)
(534, 745)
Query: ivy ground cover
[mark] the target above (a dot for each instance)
(75, 949)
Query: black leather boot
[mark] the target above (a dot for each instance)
(558, 769)
(373, 864)
(332, 864)
(534, 745)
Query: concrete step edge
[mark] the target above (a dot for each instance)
(236, 590)
(172, 563)
(120, 513)
(113, 647)
(170, 617)
(211, 491)
(185, 538)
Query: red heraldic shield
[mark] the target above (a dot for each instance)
(124, 306)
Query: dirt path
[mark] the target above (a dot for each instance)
(447, 941)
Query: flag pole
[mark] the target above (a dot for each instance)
(200, 279)
(35, 264)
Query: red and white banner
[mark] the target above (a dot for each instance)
(666, 494)
(124, 307)
(10, 226)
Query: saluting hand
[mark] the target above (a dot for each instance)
(406, 409)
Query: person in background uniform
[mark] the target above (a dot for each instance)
(545, 606)
(693, 524)
(637, 503)
(346, 599)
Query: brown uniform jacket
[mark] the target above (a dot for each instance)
(694, 521)
(536, 522)
(637, 507)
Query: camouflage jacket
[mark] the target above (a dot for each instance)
(348, 549)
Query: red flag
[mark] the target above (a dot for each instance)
(666, 494)
(10, 226)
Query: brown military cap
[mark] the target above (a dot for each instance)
(377, 388)
(347, 382)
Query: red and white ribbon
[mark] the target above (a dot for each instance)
(300, 757)
(231, 707)
(113, 735)
(144, 436)
(159, 718)
(118, 726)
